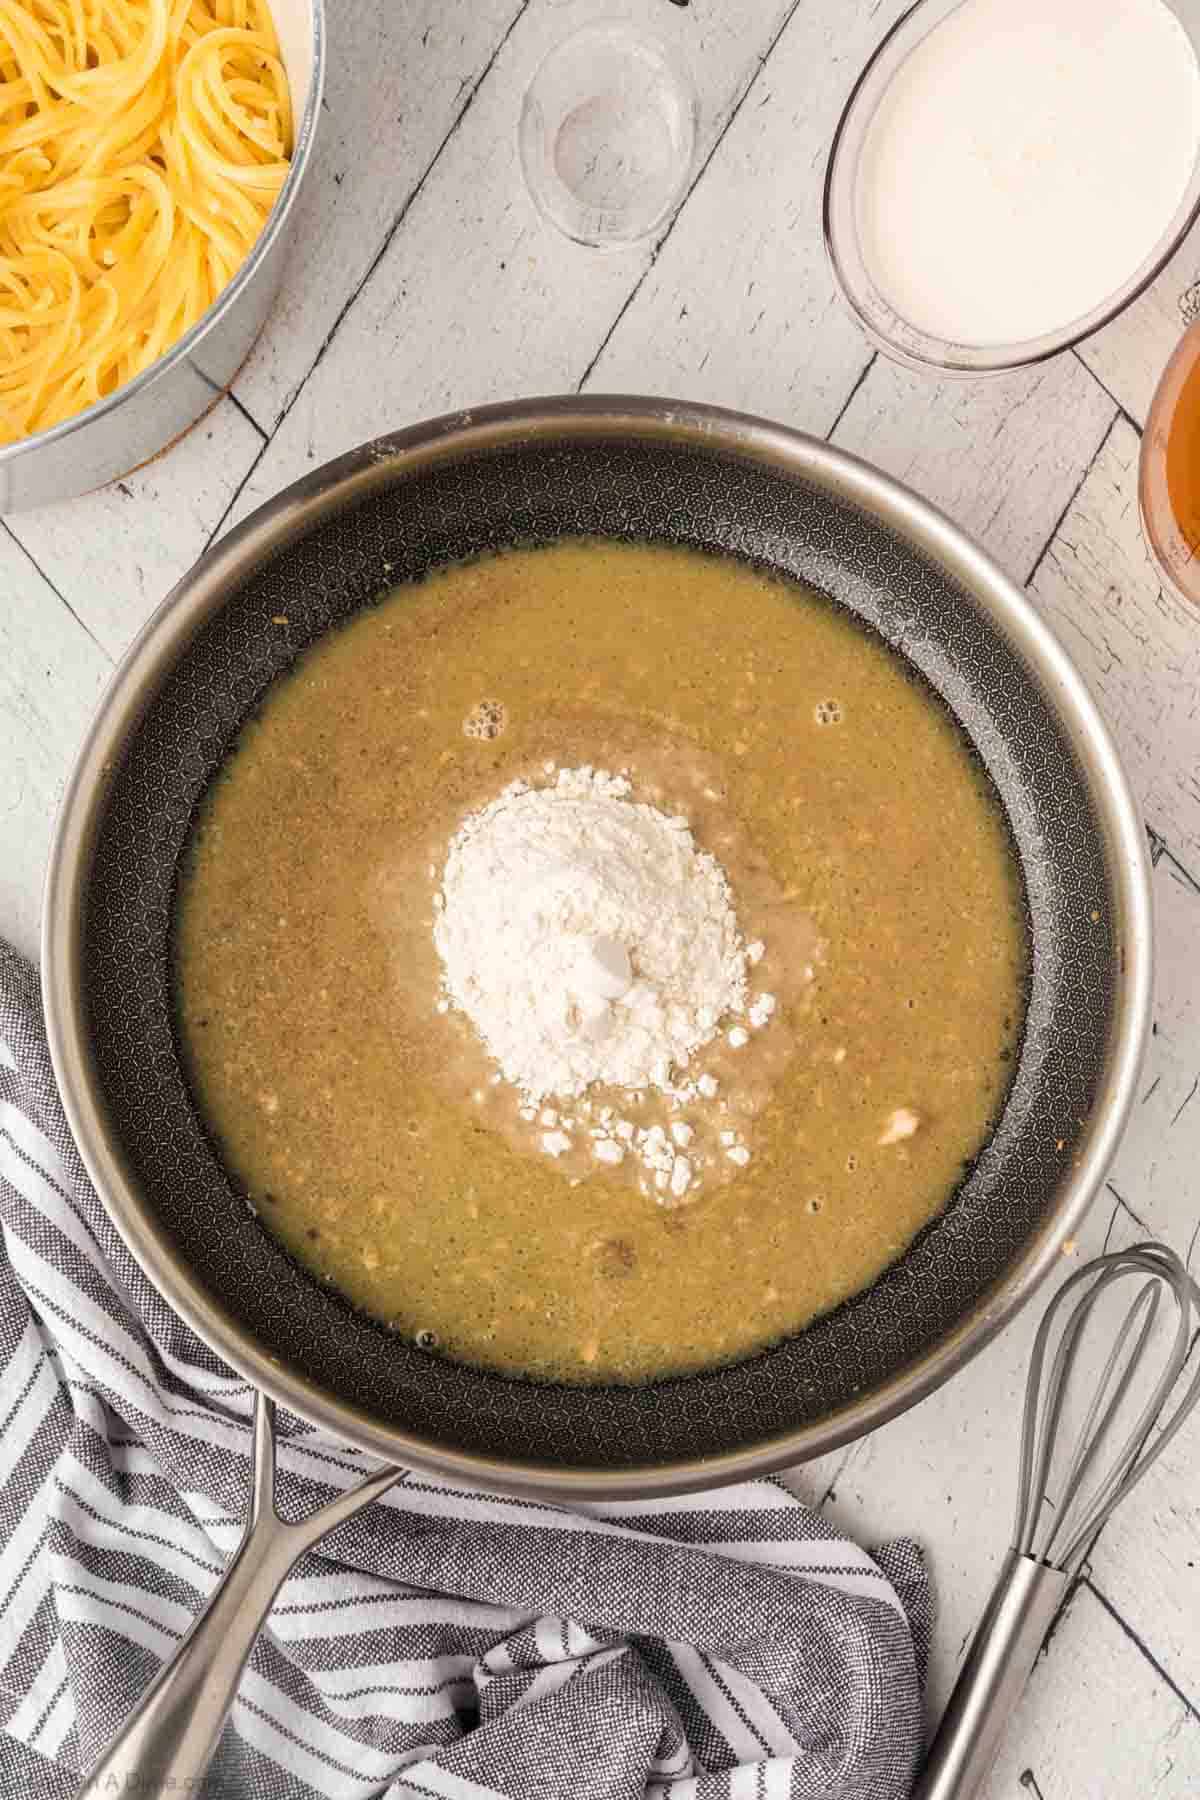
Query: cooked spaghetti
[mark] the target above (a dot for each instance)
(142, 146)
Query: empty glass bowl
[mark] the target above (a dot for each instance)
(608, 134)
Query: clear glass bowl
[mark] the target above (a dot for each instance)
(888, 330)
(1169, 503)
(608, 134)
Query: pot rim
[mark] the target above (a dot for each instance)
(201, 593)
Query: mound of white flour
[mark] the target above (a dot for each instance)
(586, 937)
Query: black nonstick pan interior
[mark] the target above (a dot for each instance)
(402, 522)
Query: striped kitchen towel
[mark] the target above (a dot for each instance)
(447, 1642)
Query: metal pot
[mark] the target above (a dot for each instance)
(388, 512)
(147, 414)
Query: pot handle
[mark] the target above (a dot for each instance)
(168, 1740)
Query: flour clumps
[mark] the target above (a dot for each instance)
(586, 937)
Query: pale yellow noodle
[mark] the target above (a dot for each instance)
(142, 146)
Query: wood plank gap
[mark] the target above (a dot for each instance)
(1092, 461)
(247, 415)
(1140, 1644)
(1124, 1206)
(236, 495)
(390, 233)
(1118, 1208)
(734, 110)
(1182, 874)
(845, 406)
(1185, 1102)
(1160, 850)
(1064, 1607)
(220, 393)
(831, 1487)
(1105, 389)
(57, 592)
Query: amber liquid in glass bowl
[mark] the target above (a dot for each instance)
(1169, 475)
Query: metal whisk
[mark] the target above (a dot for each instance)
(1115, 1445)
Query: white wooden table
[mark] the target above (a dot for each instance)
(423, 281)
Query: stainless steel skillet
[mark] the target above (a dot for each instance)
(532, 472)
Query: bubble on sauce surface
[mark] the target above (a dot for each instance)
(486, 719)
(828, 712)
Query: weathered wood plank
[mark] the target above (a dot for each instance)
(477, 298)
(51, 674)
(1155, 1168)
(740, 307)
(114, 554)
(1137, 646)
(1129, 355)
(1097, 1722)
(398, 77)
(1147, 1562)
(1002, 457)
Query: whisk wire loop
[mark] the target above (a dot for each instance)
(1080, 1511)
(1092, 1434)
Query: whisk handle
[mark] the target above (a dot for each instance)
(1024, 1601)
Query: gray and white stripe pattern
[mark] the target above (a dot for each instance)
(448, 1643)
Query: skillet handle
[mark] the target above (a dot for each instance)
(168, 1740)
